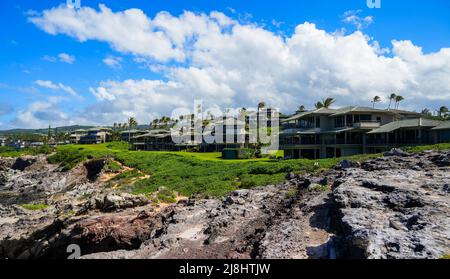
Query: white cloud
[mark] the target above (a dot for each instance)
(59, 86)
(230, 64)
(62, 57)
(66, 58)
(354, 18)
(113, 62)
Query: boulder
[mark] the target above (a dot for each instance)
(23, 163)
(397, 152)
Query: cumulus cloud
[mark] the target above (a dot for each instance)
(56, 86)
(66, 58)
(62, 57)
(354, 18)
(230, 64)
(113, 62)
(41, 113)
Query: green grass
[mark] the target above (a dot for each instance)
(203, 174)
(34, 207)
(437, 147)
(14, 153)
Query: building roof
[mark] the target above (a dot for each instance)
(359, 110)
(399, 111)
(133, 131)
(321, 111)
(443, 126)
(154, 133)
(407, 123)
(314, 131)
(99, 129)
(346, 110)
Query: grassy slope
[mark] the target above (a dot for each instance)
(191, 173)
(197, 173)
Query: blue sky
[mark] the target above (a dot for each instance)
(61, 77)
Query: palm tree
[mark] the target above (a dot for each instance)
(261, 105)
(131, 123)
(391, 98)
(375, 100)
(398, 99)
(443, 111)
(318, 105)
(301, 108)
(426, 112)
(326, 103)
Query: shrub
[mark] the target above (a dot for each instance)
(34, 207)
(238, 153)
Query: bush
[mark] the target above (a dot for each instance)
(34, 207)
(238, 153)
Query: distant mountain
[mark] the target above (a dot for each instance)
(44, 131)
(64, 129)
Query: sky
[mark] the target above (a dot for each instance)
(106, 61)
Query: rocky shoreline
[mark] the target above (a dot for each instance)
(396, 206)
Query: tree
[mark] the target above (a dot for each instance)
(426, 112)
(301, 108)
(443, 112)
(398, 99)
(318, 105)
(391, 98)
(131, 123)
(375, 100)
(326, 103)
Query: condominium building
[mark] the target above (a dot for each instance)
(328, 133)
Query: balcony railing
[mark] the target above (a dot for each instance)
(367, 124)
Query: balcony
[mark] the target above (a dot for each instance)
(369, 124)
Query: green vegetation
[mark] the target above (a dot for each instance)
(437, 147)
(186, 173)
(319, 188)
(112, 166)
(165, 196)
(14, 153)
(34, 207)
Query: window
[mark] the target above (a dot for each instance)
(366, 117)
(318, 122)
(339, 122)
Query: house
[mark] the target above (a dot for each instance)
(442, 132)
(128, 135)
(224, 133)
(215, 135)
(3, 141)
(415, 131)
(75, 136)
(96, 136)
(157, 140)
(328, 133)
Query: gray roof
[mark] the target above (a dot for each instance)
(407, 123)
(321, 111)
(443, 126)
(346, 110)
(359, 110)
(399, 111)
(154, 133)
(133, 132)
(314, 131)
